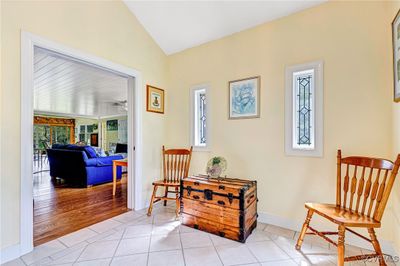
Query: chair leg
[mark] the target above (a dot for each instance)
(377, 246)
(152, 201)
(304, 229)
(165, 195)
(341, 233)
(178, 207)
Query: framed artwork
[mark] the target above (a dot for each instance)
(244, 98)
(396, 56)
(155, 99)
(112, 125)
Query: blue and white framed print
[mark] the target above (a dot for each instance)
(244, 98)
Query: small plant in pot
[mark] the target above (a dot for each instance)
(216, 166)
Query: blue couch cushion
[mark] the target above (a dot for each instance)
(103, 161)
(59, 146)
(90, 152)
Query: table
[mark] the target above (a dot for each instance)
(116, 163)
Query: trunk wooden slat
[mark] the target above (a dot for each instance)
(226, 207)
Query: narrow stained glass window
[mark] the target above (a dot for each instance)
(199, 105)
(303, 106)
(202, 118)
(304, 112)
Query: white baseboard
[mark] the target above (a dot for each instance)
(267, 218)
(10, 253)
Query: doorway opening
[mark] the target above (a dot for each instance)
(78, 112)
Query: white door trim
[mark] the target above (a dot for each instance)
(28, 42)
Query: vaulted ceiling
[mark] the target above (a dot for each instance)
(178, 25)
(66, 86)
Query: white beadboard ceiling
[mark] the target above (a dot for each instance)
(178, 25)
(66, 86)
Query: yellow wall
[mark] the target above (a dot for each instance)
(103, 28)
(357, 100)
(393, 8)
(359, 116)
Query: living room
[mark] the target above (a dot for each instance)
(350, 44)
(75, 142)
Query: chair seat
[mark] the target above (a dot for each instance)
(166, 183)
(342, 216)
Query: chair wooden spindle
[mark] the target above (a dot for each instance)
(179, 167)
(165, 165)
(346, 186)
(374, 192)
(360, 189)
(168, 168)
(353, 187)
(339, 178)
(367, 190)
(380, 191)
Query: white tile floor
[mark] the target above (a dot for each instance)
(135, 239)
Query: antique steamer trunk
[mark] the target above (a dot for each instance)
(227, 208)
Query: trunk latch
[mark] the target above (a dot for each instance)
(208, 194)
(189, 190)
(230, 197)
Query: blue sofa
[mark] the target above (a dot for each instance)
(80, 166)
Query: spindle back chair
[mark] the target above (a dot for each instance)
(363, 187)
(176, 164)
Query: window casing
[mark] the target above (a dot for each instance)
(199, 117)
(304, 110)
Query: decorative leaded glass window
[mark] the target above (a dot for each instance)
(202, 118)
(199, 117)
(304, 110)
(303, 86)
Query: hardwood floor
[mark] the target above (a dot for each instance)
(59, 210)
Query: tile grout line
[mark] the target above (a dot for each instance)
(216, 251)
(180, 240)
(151, 237)
(119, 242)
(81, 252)
(254, 256)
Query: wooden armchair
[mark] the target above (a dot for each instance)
(366, 188)
(176, 163)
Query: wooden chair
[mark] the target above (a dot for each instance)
(366, 188)
(176, 163)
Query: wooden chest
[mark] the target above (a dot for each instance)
(227, 208)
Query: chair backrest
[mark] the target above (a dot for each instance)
(176, 163)
(366, 184)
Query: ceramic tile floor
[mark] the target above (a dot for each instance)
(135, 239)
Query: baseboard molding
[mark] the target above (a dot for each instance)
(264, 217)
(10, 253)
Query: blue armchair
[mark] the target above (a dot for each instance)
(80, 166)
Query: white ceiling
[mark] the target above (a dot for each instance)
(66, 86)
(178, 25)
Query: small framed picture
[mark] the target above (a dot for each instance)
(155, 99)
(396, 56)
(244, 98)
(112, 125)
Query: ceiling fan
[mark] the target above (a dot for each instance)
(121, 104)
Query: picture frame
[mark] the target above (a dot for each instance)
(244, 98)
(155, 100)
(112, 125)
(396, 56)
